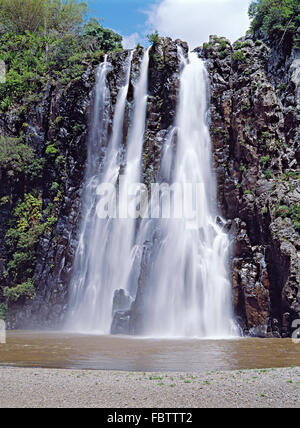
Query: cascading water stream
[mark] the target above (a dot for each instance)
(103, 259)
(123, 231)
(186, 291)
(96, 142)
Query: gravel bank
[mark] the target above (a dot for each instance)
(30, 387)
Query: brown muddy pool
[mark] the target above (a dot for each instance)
(62, 350)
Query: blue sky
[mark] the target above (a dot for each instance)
(191, 20)
(125, 16)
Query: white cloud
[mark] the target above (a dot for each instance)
(130, 42)
(194, 20)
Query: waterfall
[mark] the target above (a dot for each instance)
(186, 291)
(103, 259)
(98, 132)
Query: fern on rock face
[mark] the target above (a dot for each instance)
(28, 224)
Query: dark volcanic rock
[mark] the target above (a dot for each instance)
(121, 302)
(121, 323)
(255, 114)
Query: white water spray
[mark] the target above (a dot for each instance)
(187, 291)
(103, 259)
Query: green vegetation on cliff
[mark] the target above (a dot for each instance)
(279, 19)
(20, 16)
(154, 38)
(44, 39)
(46, 46)
(28, 223)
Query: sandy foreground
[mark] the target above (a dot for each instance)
(57, 388)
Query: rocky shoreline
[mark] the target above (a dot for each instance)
(51, 388)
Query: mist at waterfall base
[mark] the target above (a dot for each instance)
(172, 280)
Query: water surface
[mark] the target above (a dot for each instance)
(73, 351)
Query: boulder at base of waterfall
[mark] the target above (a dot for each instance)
(121, 323)
(121, 301)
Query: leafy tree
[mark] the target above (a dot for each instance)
(17, 158)
(32, 57)
(18, 163)
(101, 38)
(65, 16)
(279, 19)
(154, 38)
(20, 16)
(24, 290)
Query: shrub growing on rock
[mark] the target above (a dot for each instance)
(279, 19)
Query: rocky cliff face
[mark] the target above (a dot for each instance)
(62, 115)
(255, 111)
(255, 115)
